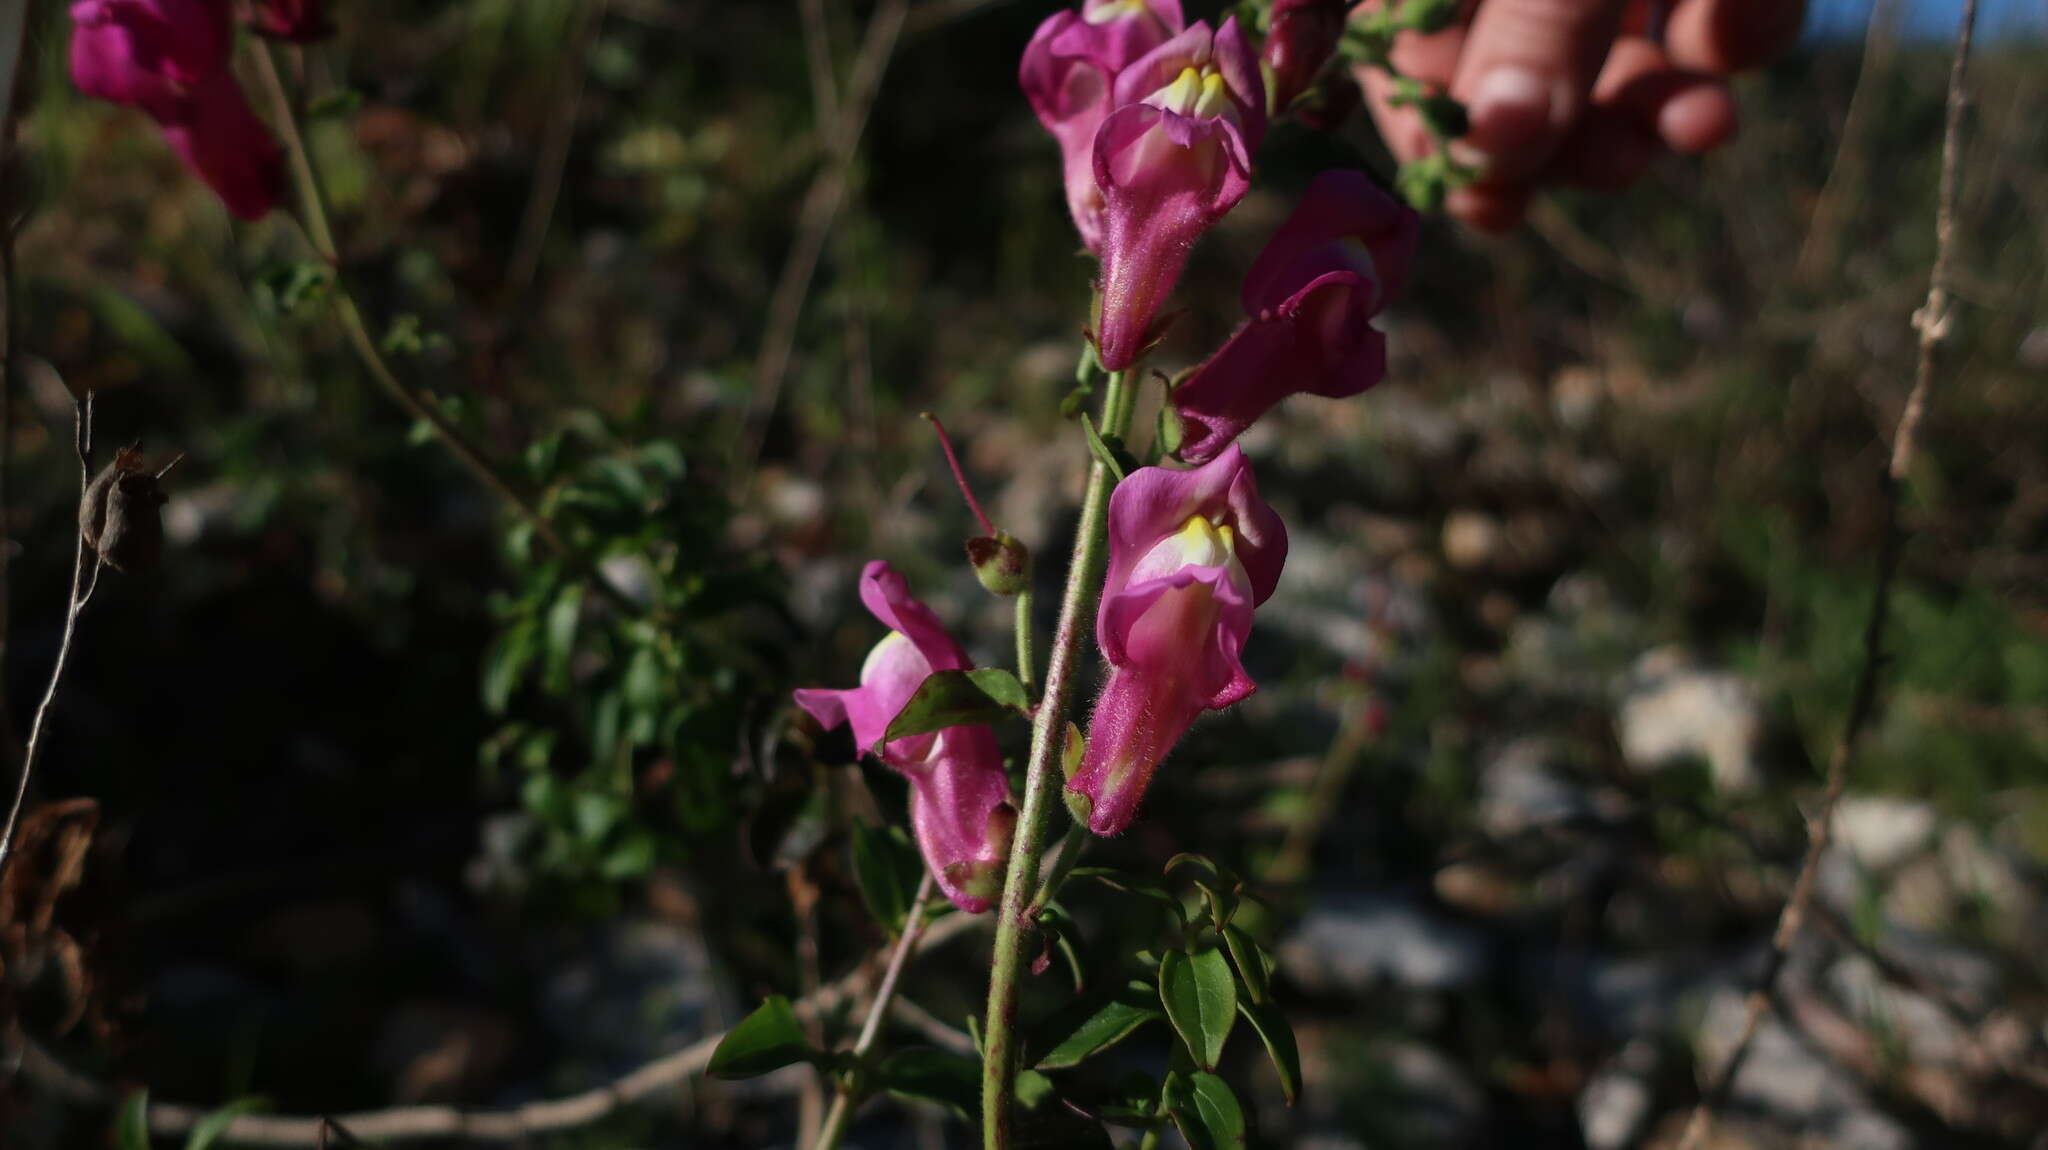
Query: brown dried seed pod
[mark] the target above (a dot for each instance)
(121, 514)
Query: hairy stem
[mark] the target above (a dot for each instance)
(1041, 779)
(841, 1115)
(419, 405)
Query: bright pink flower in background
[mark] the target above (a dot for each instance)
(959, 794)
(1191, 553)
(1067, 73)
(1300, 39)
(1311, 296)
(169, 58)
(300, 21)
(1174, 156)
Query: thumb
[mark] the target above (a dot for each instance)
(1524, 77)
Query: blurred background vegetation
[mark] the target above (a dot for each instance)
(391, 809)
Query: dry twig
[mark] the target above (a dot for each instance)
(814, 226)
(82, 587)
(425, 1123)
(1932, 324)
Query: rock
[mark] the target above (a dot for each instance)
(1881, 832)
(1674, 709)
(1470, 539)
(1926, 1034)
(1433, 1102)
(1354, 942)
(1518, 791)
(1476, 888)
(2033, 349)
(1615, 1105)
(442, 1051)
(1576, 396)
(635, 990)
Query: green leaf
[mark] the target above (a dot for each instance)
(959, 699)
(768, 1039)
(339, 102)
(631, 858)
(596, 813)
(505, 663)
(1205, 1112)
(1101, 449)
(1200, 995)
(1251, 962)
(1273, 1030)
(208, 1130)
(131, 1126)
(951, 1080)
(1033, 1089)
(1129, 884)
(888, 868)
(563, 618)
(1113, 1022)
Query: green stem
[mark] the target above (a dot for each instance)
(313, 216)
(1041, 780)
(837, 1119)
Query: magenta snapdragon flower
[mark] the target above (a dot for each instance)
(1311, 296)
(1170, 160)
(1067, 73)
(1191, 554)
(960, 808)
(169, 58)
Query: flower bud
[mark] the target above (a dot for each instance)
(1301, 39)
(1001, 562)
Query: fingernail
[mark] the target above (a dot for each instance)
(1509, 103)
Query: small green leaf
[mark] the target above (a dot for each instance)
(1250, 960)
(131, 1126)
(1101, 450)
(951, 1080)
(339, 102)
(1115, 1021)
(208, 1130)
(506, 661)
(563, 618)
(1273, 1030)
(1129, 884)
(1033, 1089)
(768, 1039)
(1206, 1113)
(959, 699)
(631, 858)
(887, 868)
(1200, 995)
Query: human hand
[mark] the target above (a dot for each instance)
(1577, 92)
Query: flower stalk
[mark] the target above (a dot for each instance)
(833, 1130)
(1042, 778)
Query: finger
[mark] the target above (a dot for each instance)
(1525, 76)
(1431, 59)
(1607, 151)
(1688, 111)
(1729, 36)
(1494, 208)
